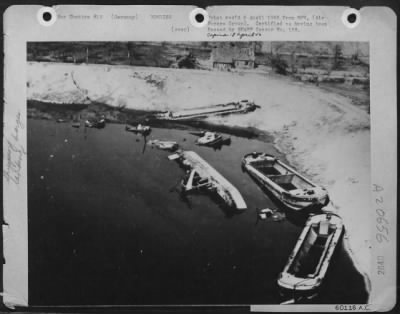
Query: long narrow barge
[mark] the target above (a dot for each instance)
(242, 106)
(286, 184)
(201, 175)
(312, 254)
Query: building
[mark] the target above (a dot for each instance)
(244, 58)
(226, 58)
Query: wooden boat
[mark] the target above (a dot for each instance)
(242, 106)
(202, 176)
(142, 129)
(210, 139)
(309, 261)
(292, 189)
(164, 145)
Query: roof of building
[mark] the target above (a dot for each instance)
(230, 54)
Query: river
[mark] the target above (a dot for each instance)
(106, 225)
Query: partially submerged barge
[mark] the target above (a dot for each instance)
(201, 175)
(242, 106)
(309, 261)
(294, 190)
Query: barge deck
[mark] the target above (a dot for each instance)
(242, 106)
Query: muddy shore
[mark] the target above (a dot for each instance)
(70, 112)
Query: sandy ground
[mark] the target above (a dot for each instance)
(322, 133)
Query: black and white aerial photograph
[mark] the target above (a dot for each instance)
(198, 173)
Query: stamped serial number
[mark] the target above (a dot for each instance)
(380, 261)
(352, 307)
(382, 224)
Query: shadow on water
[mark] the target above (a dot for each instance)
(244, 132)
(336, 286)
(218, 146)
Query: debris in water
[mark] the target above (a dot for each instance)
(270, 213)
(262, 216)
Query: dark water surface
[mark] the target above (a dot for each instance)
(107, 227)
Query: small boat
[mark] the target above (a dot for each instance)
(61, 120)
(212, 139)
(141, 129)
(96, 123)
(292, 189)
(209, 138)
(76, 124)
(164, 145)
(309, 261)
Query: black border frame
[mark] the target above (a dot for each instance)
(356, 4)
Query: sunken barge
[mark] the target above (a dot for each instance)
(201, 175)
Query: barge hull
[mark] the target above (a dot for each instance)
(204, 112)
(286, 184)
(223, 187)
(275, 189)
